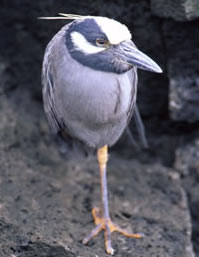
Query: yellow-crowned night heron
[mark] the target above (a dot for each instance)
(89, 82)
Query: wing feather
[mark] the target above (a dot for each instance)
(133, 80)
(48, 99)
(134, 111)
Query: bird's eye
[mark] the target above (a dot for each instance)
(101, 42)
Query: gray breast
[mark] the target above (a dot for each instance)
(91, 106)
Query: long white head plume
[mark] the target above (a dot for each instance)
(64, 16)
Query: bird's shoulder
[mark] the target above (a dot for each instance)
(52, 45)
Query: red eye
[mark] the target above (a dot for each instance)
(101, 42)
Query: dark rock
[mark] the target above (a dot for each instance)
(182, 54)
(46, 202)
(179, 10)
(187, 159)
(187, 163)
(14, 243)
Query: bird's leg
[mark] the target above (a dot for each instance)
(101, 217)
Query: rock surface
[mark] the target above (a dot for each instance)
(187, 163)
(46, 204)
(183, 69)
(179, 10)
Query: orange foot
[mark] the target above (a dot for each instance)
(108, 226)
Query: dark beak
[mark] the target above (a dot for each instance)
(131, 55)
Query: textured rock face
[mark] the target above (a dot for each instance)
(181, 46)
(46, 204)
(179, 10)
(181, 41)
(187, 163)
(46, 201)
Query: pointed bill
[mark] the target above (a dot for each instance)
(137, 58)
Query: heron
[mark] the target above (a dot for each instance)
(89, 78)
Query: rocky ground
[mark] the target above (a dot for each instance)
(46, 199)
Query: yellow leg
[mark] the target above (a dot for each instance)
(101, 217)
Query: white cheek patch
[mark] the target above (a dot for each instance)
(83, 45)
(115, 31)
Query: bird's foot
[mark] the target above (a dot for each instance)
(108, 226)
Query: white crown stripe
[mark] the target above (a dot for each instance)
(114, 30)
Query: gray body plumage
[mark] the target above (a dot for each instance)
(88, 105)
(89, 82)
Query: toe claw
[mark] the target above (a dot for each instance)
(110, 250)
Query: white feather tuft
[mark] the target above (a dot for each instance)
(114, 30)
(64, 16)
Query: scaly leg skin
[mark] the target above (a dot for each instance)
(102, 218)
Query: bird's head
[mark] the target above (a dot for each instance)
(104, 44)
